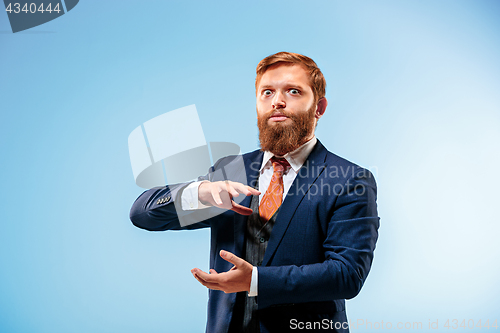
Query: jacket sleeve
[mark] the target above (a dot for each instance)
(348, 247)
(160, 208)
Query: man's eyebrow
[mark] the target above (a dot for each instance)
(287, 84)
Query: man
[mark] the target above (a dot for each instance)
(301, 239)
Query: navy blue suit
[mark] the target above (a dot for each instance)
(320, 250)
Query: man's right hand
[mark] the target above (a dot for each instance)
(220, 194)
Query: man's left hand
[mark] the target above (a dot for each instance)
(235, 280)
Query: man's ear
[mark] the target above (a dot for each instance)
(321, 107)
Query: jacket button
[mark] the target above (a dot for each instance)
(262, 239)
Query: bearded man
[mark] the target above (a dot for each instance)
(299, 239)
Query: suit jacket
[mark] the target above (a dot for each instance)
(320, 250)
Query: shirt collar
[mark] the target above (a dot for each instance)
(296, 158)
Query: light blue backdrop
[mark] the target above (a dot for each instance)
(413, 90)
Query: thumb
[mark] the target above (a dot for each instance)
(228, 256)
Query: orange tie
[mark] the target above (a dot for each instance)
(273, 197)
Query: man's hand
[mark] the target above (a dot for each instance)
(220, 194)
(235, 280)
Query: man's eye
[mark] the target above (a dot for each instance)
(267, 92)
(294, 91)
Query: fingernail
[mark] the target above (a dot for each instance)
(223, 253)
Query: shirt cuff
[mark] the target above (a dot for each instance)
(254, 283)
(189, 198)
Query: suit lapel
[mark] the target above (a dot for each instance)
(308, 174)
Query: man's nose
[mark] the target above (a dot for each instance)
(279, 101)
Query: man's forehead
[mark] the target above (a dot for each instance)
(285, 72)
(286, 67)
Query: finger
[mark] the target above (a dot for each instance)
(252, 191)
(213, 271)
(242, 210)
(245, 189)
(230, 189)
(216, 196)
(209, 278)
(214, 286)
(225, 197)
(233, 259)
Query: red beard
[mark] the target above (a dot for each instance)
(280, 138)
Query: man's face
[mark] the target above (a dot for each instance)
(286, 110)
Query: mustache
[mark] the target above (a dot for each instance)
(271, 113)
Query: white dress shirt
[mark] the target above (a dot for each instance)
(296, 158)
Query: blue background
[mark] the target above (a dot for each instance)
(413, 90)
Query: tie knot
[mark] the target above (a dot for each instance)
(279, 164)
